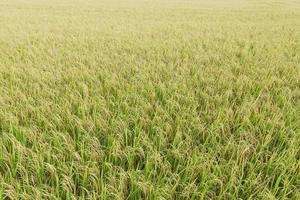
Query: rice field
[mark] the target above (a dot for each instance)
(149, 99)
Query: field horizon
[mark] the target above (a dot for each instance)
(149, 99)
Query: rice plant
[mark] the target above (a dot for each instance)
(149, 99)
